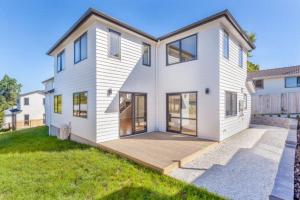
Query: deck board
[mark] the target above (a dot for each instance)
(159, 150)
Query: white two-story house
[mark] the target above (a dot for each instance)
(277, 91)
(113, 80)
(29, 111)
(276, 80)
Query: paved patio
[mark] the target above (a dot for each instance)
(159, 150)
(243, 166)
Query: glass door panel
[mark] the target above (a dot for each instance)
(182, 113)
(140, 122)
(189, 113)
(125, 114)
(189, 126)
(174, 112)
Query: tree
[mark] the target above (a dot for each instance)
(251, 67)
(9, 92)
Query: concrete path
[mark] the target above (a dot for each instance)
(243, 166)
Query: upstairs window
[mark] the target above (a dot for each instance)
(259, 84)
(80, 101)
(241, 53)
(26, 101)
(114, 44)
(80, 48)
(226, 45)
(182, 50)
(231, 103)
(58, 104)
(146, 54)
(292, 82)
(60, 61)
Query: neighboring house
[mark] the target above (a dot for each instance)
(112, 80)
(276, 81)
(276, 90)
(28, 112)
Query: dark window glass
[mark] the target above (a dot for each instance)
(26, 120)
(146, 54)
(80, 104)
(189, 48)
(182, 50)
(231, 103)
(114, 44)
(241, 57)
(291, 82)
(60, 64)
(26, 101)
(173, 52)
(58, 104)
(77, 51)
(226, 45)
(80, 48)
(83, 47)
(259, 84)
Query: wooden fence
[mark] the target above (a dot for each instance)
(276, 103)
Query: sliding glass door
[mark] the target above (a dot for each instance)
(133, 115)
(182, 113)
(140, 113)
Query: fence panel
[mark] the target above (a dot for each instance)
(276, 103)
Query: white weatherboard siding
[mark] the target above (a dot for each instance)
(100, 73)
(194, 76)
(49, 85)
(48, 108)
(35, 109)
(127, 75)
(233, 79)
(74, 78)
(275, 86)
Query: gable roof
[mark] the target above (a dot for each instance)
(49, 79)
(28, 93)
(95, 12)
(224, 13)
(276, 72)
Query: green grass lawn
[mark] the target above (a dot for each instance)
(36, 166)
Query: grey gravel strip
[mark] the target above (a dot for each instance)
(242, 167)
(284, 182)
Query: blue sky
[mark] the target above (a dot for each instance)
(29, 28)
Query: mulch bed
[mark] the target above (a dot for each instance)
(297, 168)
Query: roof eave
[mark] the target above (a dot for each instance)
(85, 16)
(92, 11)
(224, 13)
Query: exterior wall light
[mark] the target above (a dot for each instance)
(206, 90)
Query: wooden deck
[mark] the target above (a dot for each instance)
(159, 150)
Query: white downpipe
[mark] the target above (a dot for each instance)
(156, 88)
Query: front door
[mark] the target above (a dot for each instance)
(182, 113)
(133, 115)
